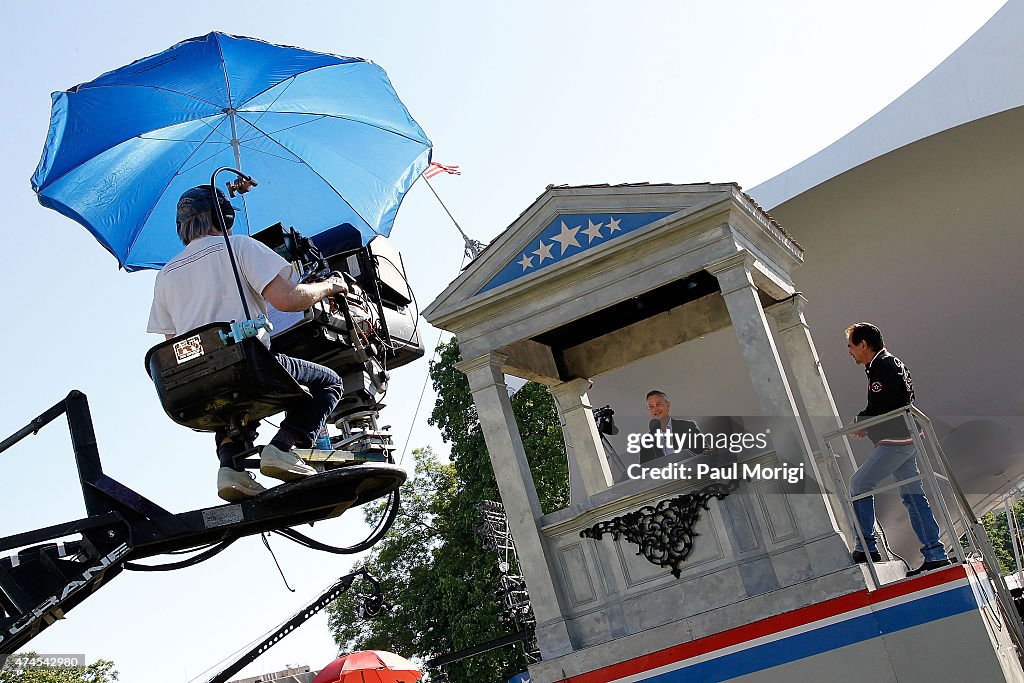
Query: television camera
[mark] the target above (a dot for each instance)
(372, 332)
(228, 386)
(605, 419)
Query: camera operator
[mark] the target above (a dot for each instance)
(197, 287)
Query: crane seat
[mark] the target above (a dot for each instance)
(207, 384)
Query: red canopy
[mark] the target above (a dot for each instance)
(369, 666)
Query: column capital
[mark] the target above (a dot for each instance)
(491, 357)
(741, 258)
(578, 387)
(733, 272)
(789, 312)
(483, 370)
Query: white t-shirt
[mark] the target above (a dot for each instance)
(198, 286)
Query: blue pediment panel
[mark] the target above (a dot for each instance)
(568, 235)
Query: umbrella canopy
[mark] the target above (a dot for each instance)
(369, 666)
(326, 137)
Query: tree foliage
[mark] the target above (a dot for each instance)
(434, 572)
(29, 667)
(999, 535)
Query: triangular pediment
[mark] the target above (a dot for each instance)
(565, 227)
(570, 235)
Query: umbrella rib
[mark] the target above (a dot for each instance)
(145, 219)
(198, 163)
(224, 69)
(280, 130)
(200, 119)
(158, 88)
(146, 137)
(354, 120)
(347, 158)
(283, 91)
(294, 159)
(140, 136)
(355, 60)
(317, 173)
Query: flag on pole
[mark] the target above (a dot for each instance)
(437, 169)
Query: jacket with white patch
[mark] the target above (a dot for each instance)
(889, 387)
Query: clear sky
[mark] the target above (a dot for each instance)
(520, 95)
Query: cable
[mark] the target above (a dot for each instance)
(266, 544)
(366, 544)
(885, 542)
(419, 402)
(394, 504)
(202, 557)
(191, 550)
(408, 286)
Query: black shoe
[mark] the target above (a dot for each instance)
(929, 565)
(860, 558)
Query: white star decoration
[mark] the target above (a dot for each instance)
(593, 230)
(544, 252)
(567, 238)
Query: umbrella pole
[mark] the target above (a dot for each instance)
(238, 279)
(234, 130)
(227, 240)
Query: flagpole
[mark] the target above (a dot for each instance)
(473, 247)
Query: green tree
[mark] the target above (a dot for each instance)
(434, 572)
(28, 667)
(999, 535)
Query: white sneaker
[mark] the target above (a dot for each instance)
(235, 486)
(283, 465)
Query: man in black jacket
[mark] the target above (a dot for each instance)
(889, 387)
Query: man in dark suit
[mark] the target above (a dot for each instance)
(659, 407)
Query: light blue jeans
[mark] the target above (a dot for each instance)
(899, 461)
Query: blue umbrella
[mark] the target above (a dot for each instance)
(326, 137)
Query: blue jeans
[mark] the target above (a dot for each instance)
(899, 461)
(305, 418)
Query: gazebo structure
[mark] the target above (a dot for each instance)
(590, 280)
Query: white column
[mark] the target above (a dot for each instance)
(810, 379)
(803, 359)
(582, 440)
(770, 384)
(519, 496)
(577, 494)
(760, 355)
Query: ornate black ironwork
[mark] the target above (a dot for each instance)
(664, 531)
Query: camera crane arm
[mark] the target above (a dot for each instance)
(373, 604)
(48, 577)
